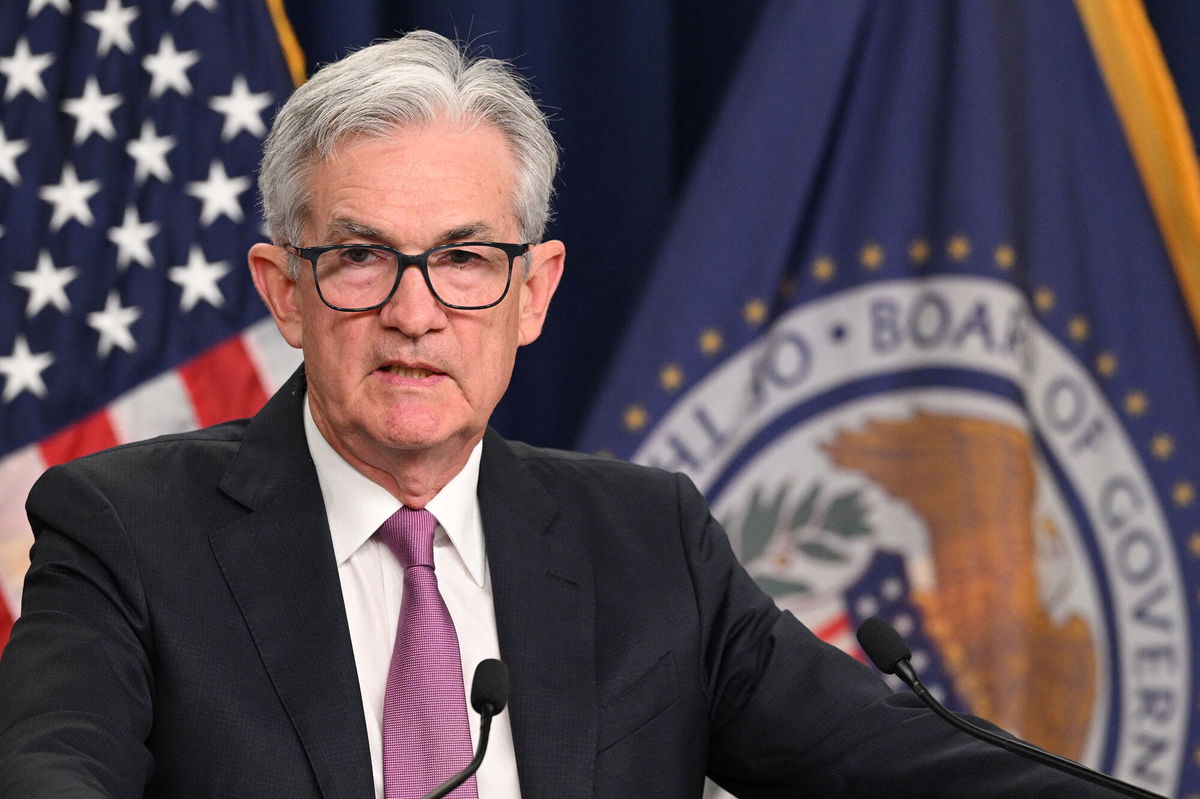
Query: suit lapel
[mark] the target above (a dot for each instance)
(279, 563)
(544, 598)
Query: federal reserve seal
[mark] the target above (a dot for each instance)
(927, 451)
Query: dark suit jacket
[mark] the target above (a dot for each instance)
(183, 635)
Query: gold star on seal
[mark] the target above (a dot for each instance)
(635, 418)
(755, 312)
(1005, 256)
(823, 269)
(1043, 299)
(670, 376)
(1184, 493)
(959, 247)
(1162, 446)
(1106, 364)
(1136, 403)
(918, 251)
(1078, 328)
(711, 341)
(871, 256)
(1194, 544)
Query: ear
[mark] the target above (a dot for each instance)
(277, 287)
(537, 289)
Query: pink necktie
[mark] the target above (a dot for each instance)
(426, 738)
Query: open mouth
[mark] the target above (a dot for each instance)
(413, 372)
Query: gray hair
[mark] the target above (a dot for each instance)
(413, 80)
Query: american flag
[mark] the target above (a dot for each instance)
(130, 133)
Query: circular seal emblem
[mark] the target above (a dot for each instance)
(924, 450)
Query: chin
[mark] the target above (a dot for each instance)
(409, 431)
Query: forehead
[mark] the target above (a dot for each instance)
(414, 181)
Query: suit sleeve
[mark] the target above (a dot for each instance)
(75, 678)
(793, 716)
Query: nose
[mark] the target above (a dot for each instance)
(413, 309)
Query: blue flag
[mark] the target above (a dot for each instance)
(917, 334)
(130, 135)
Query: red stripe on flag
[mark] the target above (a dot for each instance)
(223, 383)
(6, 623)
(92, 434)
(839, 626)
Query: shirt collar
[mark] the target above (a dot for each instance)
(357, 506)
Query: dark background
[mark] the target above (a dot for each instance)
(631, 86)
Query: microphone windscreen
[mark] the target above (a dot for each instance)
(883, 644)
(489, 686)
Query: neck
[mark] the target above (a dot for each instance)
(413, 480)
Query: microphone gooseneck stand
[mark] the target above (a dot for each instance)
(489, 695)
(891, 655)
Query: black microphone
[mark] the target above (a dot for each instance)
(489, 695)
(890, 655)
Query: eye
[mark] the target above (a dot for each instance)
(359, 255)
(461, 257)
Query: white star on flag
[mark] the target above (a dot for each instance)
(23, 370)
(112, 23)
(10, 151)
(24, 70)
(219, 194)
(93, 111)
(46, 284)
(199, 280)
(179, 6)
(132, 238)
(37, 5)
(113, 325)
(242, 110)
(149, 151)
(70, 198)
(168, 68)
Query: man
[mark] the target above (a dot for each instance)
(215, 614)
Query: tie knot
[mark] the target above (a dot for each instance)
(409, 534)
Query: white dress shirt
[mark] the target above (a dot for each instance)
(372, 583)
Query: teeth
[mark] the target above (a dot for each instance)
(406, 371)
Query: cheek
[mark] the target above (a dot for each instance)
(502, 353)
(332, 346)
(495, 347)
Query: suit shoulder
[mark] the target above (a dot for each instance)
(157, 456)
(554, 465)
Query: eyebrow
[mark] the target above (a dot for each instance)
(468, 232)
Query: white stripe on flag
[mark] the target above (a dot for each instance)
(18, 471)
(158, 406)
(273, 357)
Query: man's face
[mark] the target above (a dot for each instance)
(413, 376)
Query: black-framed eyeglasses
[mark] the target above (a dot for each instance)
(465, 275)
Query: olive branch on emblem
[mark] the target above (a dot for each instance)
(811, 528)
